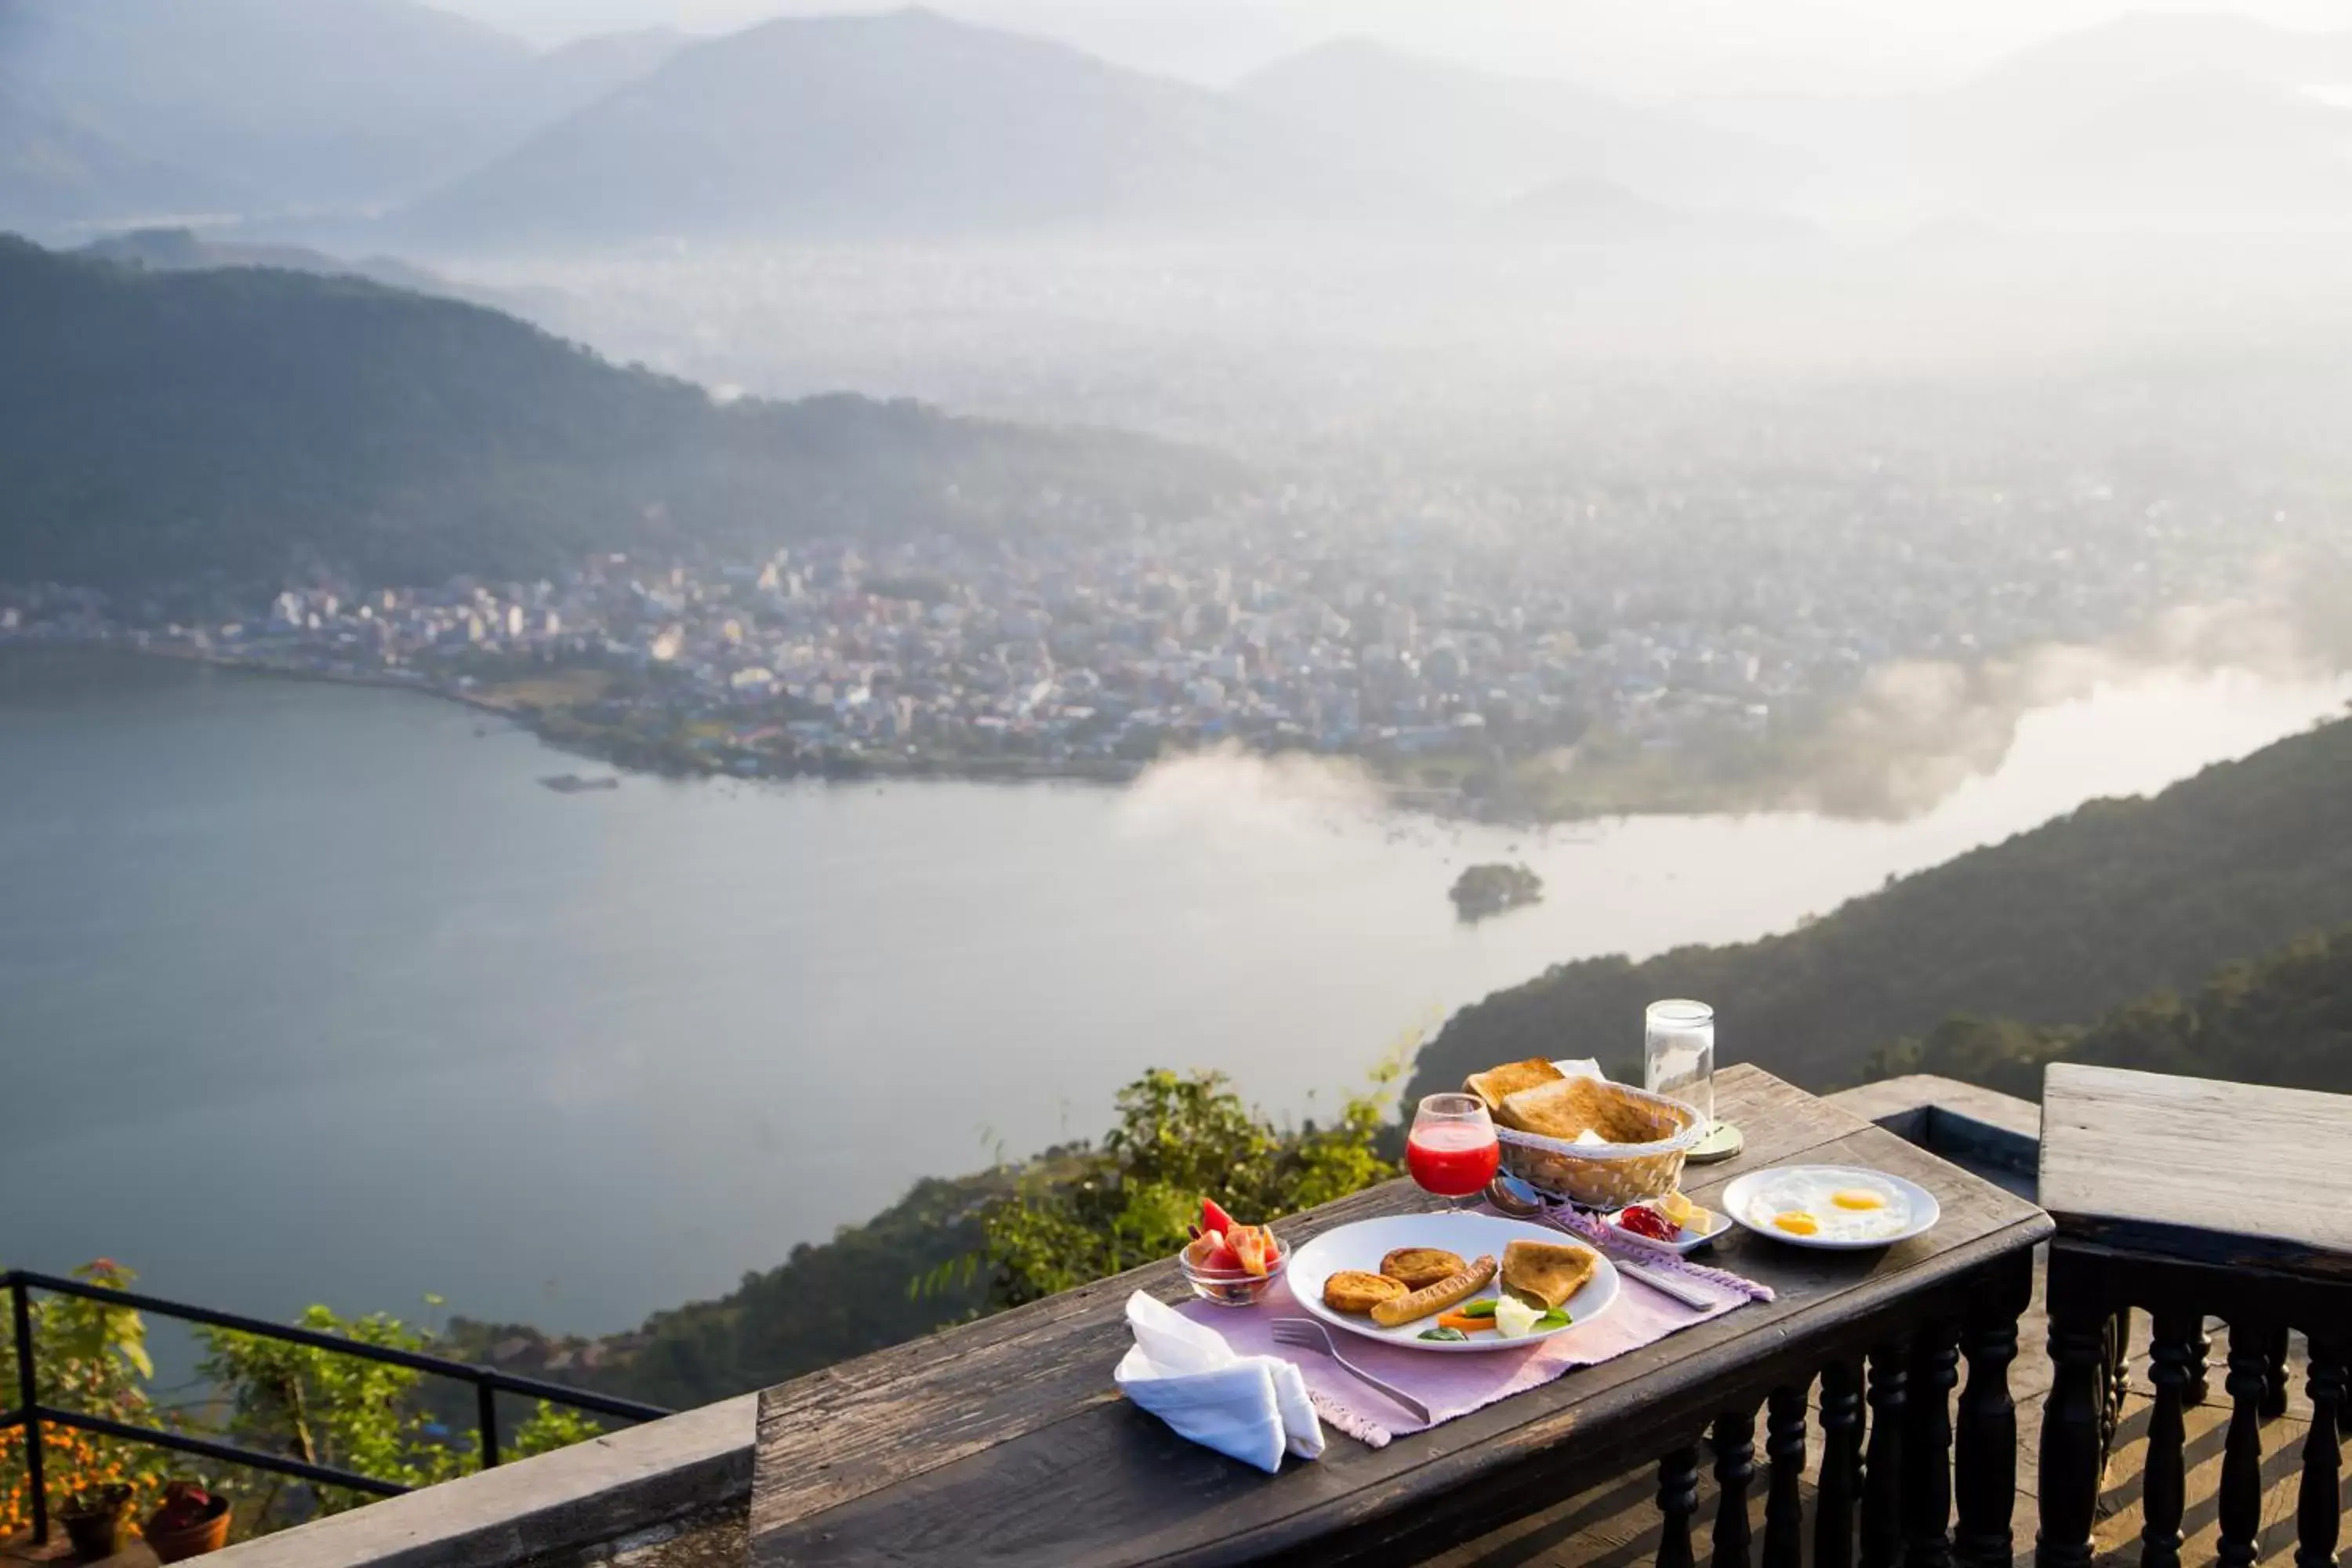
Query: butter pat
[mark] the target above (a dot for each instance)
(1514, 1319)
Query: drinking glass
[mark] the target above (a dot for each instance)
(1678, 1055)
(1452, 1151)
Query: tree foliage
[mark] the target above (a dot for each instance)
(1097, 1212)
(92, 1357)
(366, 1417)
(2286, 1019)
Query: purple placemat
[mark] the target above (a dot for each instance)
(1453, 1385)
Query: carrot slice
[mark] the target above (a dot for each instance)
(1468, 1324)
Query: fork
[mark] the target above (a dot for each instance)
(1308, 1334)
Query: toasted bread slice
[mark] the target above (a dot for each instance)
(1547, 1272)
(1572, 1106)
(1495, 1084)
(1419, 1266)
(1353, 1291)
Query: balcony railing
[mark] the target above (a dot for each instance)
(32, 1415)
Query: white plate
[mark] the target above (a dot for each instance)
(1363, 1244)
(1742, 1200)
(1688, 1241)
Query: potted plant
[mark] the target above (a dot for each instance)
(191, 1523)
(93, 1519)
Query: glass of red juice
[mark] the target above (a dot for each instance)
(1451, 1151)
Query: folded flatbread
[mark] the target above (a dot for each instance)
(1495, 1083)
(1547, 1273)
(1572, 1106)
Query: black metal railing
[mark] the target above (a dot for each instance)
(488, 1383)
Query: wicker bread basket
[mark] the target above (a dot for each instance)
(1608, 1175)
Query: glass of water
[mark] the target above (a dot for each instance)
(1678, 1055)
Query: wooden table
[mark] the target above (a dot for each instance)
(2191, 1198)
(1003, 1441)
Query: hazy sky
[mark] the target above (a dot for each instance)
(1652, 46)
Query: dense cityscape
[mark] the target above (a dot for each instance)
(1462, 641)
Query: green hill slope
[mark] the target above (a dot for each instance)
(2286, 1019)
(243, 423)
(2115, 901)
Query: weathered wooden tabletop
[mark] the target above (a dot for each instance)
(1004, 1442)
(2217, 1173)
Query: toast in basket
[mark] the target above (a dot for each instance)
(1495, 1084)
(1569, 1108)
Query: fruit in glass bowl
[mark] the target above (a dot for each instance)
(1231, 1264)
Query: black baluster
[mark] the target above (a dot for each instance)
(2117, 1384)
(2171, 1352)
(2070, 1433)
(1882, 1490)
(1677, 1501)
(1840, 1461)
(2316, 1519)
(1784, 1504)
(1984, 1449)
(2274, 1374)
(1927, 1448)
(1734, 1441)
(2241, 1452)
(2200, 1387)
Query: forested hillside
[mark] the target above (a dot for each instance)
(2121, 898)
(2286, 1019)
(243, 423)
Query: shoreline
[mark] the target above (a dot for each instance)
(559, 733)
(527, 718)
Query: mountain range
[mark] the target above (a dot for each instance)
(262, 106)
(905, 123)
(237, 425)
(909, 124)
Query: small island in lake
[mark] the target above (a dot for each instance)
(572, 783)
(1492, 889)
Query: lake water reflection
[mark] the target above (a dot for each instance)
(312, 993)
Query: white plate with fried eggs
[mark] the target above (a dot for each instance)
(1839, 1208)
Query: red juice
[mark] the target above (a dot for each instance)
(1453, 1160)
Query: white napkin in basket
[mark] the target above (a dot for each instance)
(1251, 1407)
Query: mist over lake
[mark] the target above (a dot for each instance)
(398, 1019)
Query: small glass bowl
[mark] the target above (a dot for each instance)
(1229, 1289)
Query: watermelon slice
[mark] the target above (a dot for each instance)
(1254, 1247)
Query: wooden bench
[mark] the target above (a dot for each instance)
(2190, 1198)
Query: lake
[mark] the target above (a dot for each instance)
(313, 993)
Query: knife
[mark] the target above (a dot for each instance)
(1656, 1279)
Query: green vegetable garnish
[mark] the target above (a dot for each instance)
(1444, 1334)
(1557, 1318)
(1484, 1309)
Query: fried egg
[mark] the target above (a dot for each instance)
(1832, 1205)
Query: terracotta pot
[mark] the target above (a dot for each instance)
(209, 1533)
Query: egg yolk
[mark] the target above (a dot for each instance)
(1858, 1198)
(1797, 1221)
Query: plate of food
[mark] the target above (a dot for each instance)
(1452, 1282)
(1838, 1207)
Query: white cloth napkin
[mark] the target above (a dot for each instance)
(1251, 1407)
